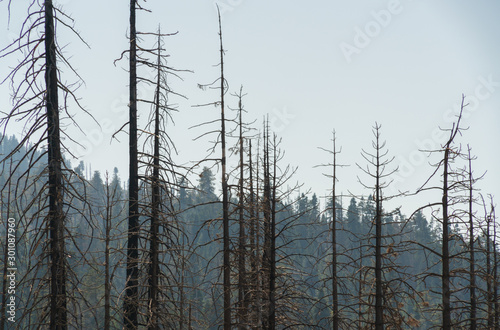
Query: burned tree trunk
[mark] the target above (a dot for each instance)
(253, 282)
(58, 309)
(242, 250)
(131, 302)
(154, 266)
(225, 200)
(333, 233)
(379, 307)
(266, 255)
(272, 275)
(269, 248)
(472, 260)
(449, 155)
(445, 253)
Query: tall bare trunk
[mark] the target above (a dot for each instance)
(131, 284)
(242, 278)
(58, 299)
(107, 252)
(225, 202)
(489, 280)
(379, 307)
(154, 267)
(472, 261)
(335, 299)
(272, 275)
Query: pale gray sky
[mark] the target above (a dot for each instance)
(313, 67)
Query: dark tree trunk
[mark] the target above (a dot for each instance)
(266, 256)
(107, 275)
(360, 286)
(472, 261)
(445, 254)
(269, 255)
(225, 202)
(58, 299)
(489, 280)
(154, 267)
(335, 301)
(259, 256)
(272, 275)
(131, 284)
(379, 307)
(242, 278)
(252, 237)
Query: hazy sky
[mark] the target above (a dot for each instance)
(314, 67)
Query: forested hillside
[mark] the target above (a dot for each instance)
(190, 291)
(229, 240)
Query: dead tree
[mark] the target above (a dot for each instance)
(490, 273)
(113, 209)
(38, 105)
(449, 155)
(58, 316)
(378, 173)
(268, 260)
(221, 140)
(131, 299)
(243, 295)
(163, 177)
(282, 293)
(472, 239)
(387, 277)
(253, 279)
(449, 185)
(335, 309)
(225, 200)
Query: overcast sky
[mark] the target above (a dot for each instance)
(314, 67)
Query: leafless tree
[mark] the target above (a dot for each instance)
(451, 181)
(40, 99)
(387, 278)
(335, 224)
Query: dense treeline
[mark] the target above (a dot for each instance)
(230, 241)
(192, 291)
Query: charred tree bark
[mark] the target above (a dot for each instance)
(253, 280)
(335, 298)
(259, 256)
(272, 275)
(154, 266)
(107, 253)
(266, 255)
(386, 295)
(225, 201)
(269, 254)
(489, 279)
(58, 299)
(472, 260)
(130, 305)
(379, 303)
(445, 253)
(242, 275)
